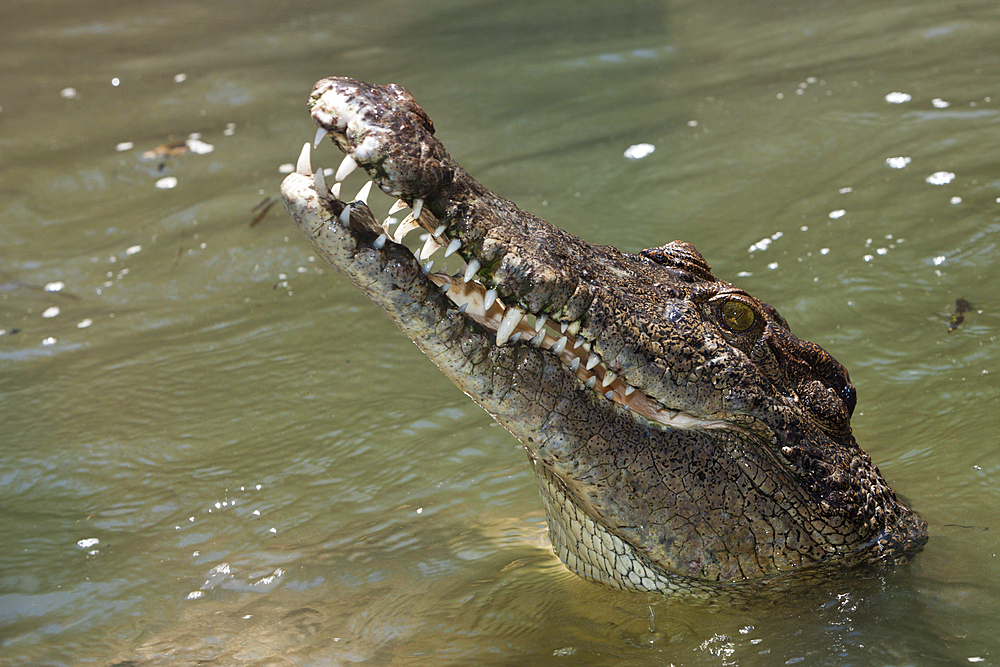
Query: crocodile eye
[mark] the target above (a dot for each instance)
(737, 315)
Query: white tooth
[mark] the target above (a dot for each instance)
(335, 191)
(418, 206)
(591, 382)
(440, 230)
(559, 346)
(379, 243)
(577, 342)
(510, 321)
(538, 339)
(592, 361)
(609, 394)
(320, 184)
(304, 166)
(471, 270)
(452, 248)
(463, 307)
(398, 206)
(574, 327)
(426, 268)
(514, 337)
(489, 298)
(345, 215)
(320, 136)
(445, 287)
(609, 377)
(364, 192)
(573, 365)
(430, 247)
(540, 322)
(562, 327)
(629, 389)
(405, 227)
(345, 168)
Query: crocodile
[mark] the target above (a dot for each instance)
(684, 441)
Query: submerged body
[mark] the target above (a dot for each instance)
(683, 439)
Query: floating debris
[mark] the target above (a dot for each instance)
(262, 207)
(961, 307)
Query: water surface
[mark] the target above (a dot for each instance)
(215, 451)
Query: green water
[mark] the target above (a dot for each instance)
(274, 476)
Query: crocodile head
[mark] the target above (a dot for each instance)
(683, 439)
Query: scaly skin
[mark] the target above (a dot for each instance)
(683, 439)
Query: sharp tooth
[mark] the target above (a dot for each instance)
(514, 337)
(405, 227)
(380, 241)
(335, 191)
(345, 168)
(609, 377)
(452, 248)
(510, 321)
(440, 230)
(562, 327)
(320, 184)
(591, 382)
(463, 307)
(426, 268)
(629, 389)
(573, 365)
(418, 206)
(398, 206)
(609, 394)
(592, 361)
(471, 270)
(364, 192)
(577, 342)
(345, 215)
(574, 327)
(540, 322)
(489, 298)
(430, 247)
(538, 339)
(304, 166)
(559, 346)
(320, 136)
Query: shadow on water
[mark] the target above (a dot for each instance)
(216, 452)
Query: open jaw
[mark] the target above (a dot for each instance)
(683, 440)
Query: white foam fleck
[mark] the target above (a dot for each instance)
(88, 542)
(166, 183)
(51, 311)
(84, 323)
(897, 162)
(132, 249)
(839, 213)
(639, 151)
(939, 260)
(124, 146)
(194, 595)
(956, 200)
(940, 178)
(898, 98)
(940, 104)
(54, 286)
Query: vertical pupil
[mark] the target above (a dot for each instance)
(738, 315)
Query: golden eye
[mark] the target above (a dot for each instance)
(737, 315)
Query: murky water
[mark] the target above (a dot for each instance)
(214, 451)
